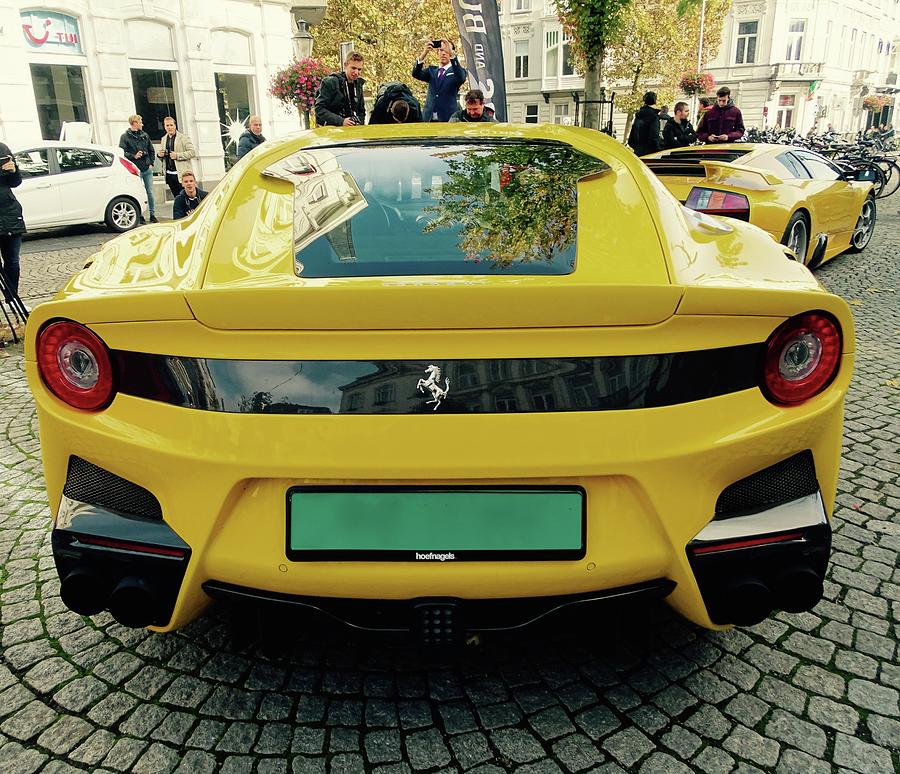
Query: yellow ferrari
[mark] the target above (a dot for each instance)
(441, 378)
(802, 199)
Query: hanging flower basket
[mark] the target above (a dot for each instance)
(697, 83)
(296, 85)
(874, 103)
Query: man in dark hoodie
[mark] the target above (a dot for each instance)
(340, 99)
(251, 138)
(475, 110)
(644, 135)
(723, 122)
(138, 149)
(678, 131)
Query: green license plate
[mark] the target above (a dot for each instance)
(435, 525)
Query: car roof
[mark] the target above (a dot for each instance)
(64, 144)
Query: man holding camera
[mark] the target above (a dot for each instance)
(444, 81)
(340, 99)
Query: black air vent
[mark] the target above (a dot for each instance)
(784, 481)
(93, 485)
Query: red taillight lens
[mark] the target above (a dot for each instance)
(129, 166)
(714, 202)
(802, 358)
(74, 364)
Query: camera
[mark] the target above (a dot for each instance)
(436, 44)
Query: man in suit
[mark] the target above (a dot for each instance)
(444, 81)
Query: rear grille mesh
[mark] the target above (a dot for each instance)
(787, 480)
(91, 484)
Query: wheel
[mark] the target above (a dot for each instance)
(865, 226)
(122, 214)
(796, 236)
(892, 173)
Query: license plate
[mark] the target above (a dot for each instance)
(435, 525)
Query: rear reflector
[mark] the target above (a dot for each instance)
(127, 545)
(748, 543)
(129, 166)
(714, 202)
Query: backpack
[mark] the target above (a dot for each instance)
(392, 90)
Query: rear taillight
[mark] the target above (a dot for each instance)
(802, 358)
(713, 202)
(74, 364)
(129, 166)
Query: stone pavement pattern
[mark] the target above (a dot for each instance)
(816, 692)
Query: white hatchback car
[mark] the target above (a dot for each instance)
(67, 183)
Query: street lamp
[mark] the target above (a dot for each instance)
(302, 40)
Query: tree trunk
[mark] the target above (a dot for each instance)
(592, 93)
(630, 118)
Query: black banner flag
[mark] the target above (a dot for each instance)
(479, 29)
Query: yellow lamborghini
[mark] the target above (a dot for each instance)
(441, 378)
(801, 198)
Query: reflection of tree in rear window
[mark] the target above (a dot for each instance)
(393, 210)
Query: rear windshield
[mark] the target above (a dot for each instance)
(446, 208)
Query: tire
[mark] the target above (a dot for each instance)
(797, 229)
(865, 226)
(122, 214)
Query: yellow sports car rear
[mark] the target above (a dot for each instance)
(441, 379)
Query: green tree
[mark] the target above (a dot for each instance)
(592, 25)
(390, 34)
(656, 43)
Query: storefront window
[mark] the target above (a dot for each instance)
(60, 96)
(233, 95)
(154, 99)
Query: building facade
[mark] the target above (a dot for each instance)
(206, 63)
(794, 63)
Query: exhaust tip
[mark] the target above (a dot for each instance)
(134, 603)
(84, 592)
(798, 590)
(748, 601)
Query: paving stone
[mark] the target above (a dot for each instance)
(384, 746)
(238, 738)
(781, 694)
(796, 733)
(885, 731)
(709, 722)
(598, 722)
(468, 749)
(15, 759)
(628, 746)
(347, 763)
(713, 760)
(840, 717)
(818, 680)
(872, 696)
(543, 766)
(65, 734)
(343, 740)
(746, 709)
(649, 719)
(174, 728)
(123, 754)
(426, 749)
(456, 716)
(576, 753)
(143, 720)
(748, 744)
(94, 749)
(551, 723)
(661, 763)
(682, 741)
(796, 762)
(156, 759)
(27, 723)
(112, 708)
(80, 694)
(861, 756)
(499, 715)
(196, 762)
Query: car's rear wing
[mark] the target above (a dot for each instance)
(721, 172)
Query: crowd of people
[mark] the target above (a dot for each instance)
(653, 129)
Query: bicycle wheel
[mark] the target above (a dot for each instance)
(892, 172)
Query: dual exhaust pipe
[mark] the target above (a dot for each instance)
(132, 602)
(748, 599)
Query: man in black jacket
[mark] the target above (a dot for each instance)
(474, 111)
(12, 224)
(644, 135)
(190, 197)
(678, 131)
(340, 99)
(138, 149)
(251, 138)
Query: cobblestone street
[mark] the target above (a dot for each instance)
(814, 692)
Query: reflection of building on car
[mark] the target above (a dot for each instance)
(799, 197)
(63, 184)
(669, 425)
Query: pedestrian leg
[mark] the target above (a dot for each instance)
(147, 177)
(10, 245)
(175, 185)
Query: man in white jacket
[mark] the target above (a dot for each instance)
(176, 150)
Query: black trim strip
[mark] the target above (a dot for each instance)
(535, 385)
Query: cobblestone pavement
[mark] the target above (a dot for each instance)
(816, 692)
